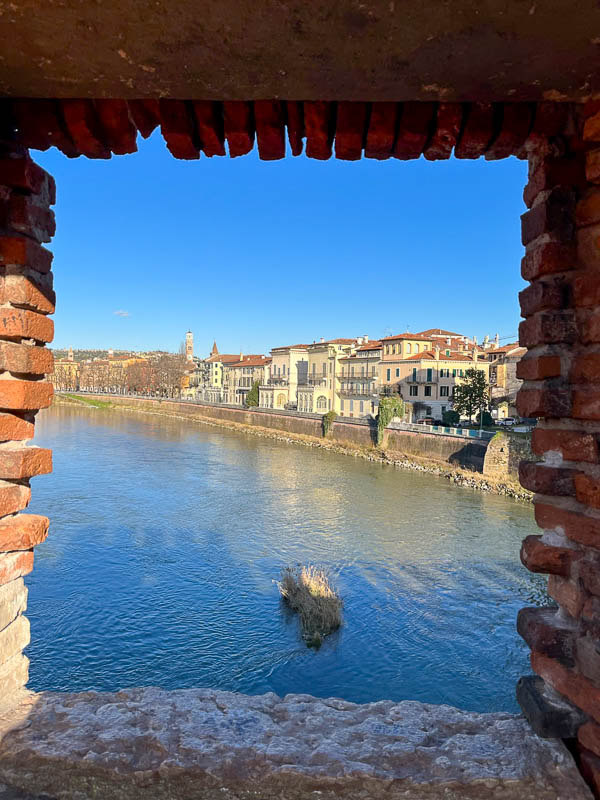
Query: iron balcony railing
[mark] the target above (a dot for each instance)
(343, 377)
(317, 380)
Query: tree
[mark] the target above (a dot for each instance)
(472, 394)
(252, 396)
(451, 418)
(389, 407)
(487, 418)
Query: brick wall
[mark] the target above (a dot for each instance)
(561, 373)
(26, 300)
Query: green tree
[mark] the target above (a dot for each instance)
(472, 395)
(328, 420)
(389, 407)
(487, 418)
(252, 396)
(451, 418)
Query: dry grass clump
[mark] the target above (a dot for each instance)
(308, 592)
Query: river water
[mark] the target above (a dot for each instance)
(166, 537)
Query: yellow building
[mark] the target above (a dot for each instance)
(288, 369)
(239, 377)
(503, 378)
(359, 380)
(65, 377)
(320, 392)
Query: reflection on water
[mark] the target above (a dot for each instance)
(166, 537)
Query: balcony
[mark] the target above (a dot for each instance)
(343, 377)
(278, 380)
(317, 380)
(358, 391)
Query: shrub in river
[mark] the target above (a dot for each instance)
(308, 592)
(328, 420)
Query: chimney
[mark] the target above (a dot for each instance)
(437, 353)
(366, 339)
(497, 341)
(241, 356)
(322, 340)
(359, 340)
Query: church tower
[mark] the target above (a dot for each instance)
(70, 356)
(215, 349)
(189, 346)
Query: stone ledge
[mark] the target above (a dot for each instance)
(201, 744)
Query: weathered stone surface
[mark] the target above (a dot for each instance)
(14, 638)
(549, 714)
(14, 674)
(202, 744)
(13, 601)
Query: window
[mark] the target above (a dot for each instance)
(362, 407)
(321, 403)
(351, 405)
(428, 391)
(444, 373)
(414, 377)
(447, 352)
(414, 391)
(444, 408)
(397, 372)
(408, 348)
(454, 373)
(444, 391)
(429, 375)
(416, 348)
(342, 406)
(428, 411)
(389, 374)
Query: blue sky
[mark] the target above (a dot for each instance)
(259, 254)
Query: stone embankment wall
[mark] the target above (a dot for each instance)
(457, 451)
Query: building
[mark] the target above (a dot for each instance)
(320, 392)
(359, 380)
(287, 371)
(239, 377)
(504, 383)
(212, 388)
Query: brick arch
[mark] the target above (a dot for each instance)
(561, 307)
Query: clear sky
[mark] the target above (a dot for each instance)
(259, 254)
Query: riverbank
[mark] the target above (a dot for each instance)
(456, 475)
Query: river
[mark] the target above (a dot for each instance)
(166, 538)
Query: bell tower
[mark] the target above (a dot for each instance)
(189, 346)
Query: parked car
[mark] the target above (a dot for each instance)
(507, 421)
(425, 421)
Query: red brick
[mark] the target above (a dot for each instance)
(178, 129)
(516, 123)
(145, 115)
(587, 569)
(588, 247)
(589, 765)
(23, 252)
(25, 215)
(239, 127)
(23, 531)
(586, 368)
(13, 497)
(478, 129)
(15, 427)
(24, 395)
(295, 126)
(546, 480)
(538, 556)
(587, 658)
(117, 129)
(19, 324)
(574, 687)
(550, 119)
(548, 327)
(551, 294)
(550, 172)
(270, 129)
(545, 633)
(209, 124)
(447, 128)
(17, 463)
(28, 291)
(554, 216)
(39, 126)
(15, 565)
(591, 128)
(549, 399)
(586, 289)
(587, 489)
(350, 129)
(83, 126)
(587, 211)
(26, 359)
(573, 445)
(538, 368)
(588, 323)
(25, 175)
(590, 616)
(548, 258)
(382, 130)
(577, 526)
(570, 595)
(592, 165)
(586, 404)
(319, 124)
(413, 131)
(589, 737)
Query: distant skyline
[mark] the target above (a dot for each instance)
(257, 254)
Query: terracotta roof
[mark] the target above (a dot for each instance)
(506, 348)
(224, 357)
(413, 337)
(440, 332)
(430, 356)
(291, 347)
(370, 346)
(250, 361)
